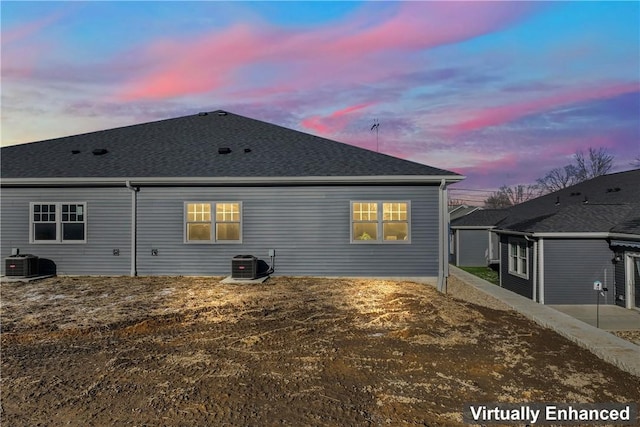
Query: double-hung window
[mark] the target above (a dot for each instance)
(213, 222)
(58, 222)
(519, 259)
(380, 222)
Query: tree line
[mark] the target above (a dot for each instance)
(584, 166)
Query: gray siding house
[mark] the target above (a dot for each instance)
(555, 247)
(184, 196)
(474, 243)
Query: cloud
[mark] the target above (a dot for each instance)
(495, 116)
(335, 122)
(25, 45)
(360, 49)
(24, 31)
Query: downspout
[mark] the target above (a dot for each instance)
(541, 270)
(443, 222)
(534, 262)
(500, 263)
(457, 247)
(134, 231)
(535, 271)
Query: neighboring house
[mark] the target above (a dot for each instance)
(555, 247)
(458, 211)
(184, 196)
(473, 242)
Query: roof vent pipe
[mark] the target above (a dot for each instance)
(224, 150)
(203, 113)
(100, 151)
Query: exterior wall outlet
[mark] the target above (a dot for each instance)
(116, 252)
(154, 252)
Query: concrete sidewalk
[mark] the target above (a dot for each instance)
(607, 317)
(621, 353)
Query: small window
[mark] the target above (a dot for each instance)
(519, 259)
(228, 222)
(198, 222)
(58, 223)
(365, 221)
(211, 222)
(380, 222)
(72, 222)
(395, 225)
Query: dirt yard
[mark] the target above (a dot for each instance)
(292, 351)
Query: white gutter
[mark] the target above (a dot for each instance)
(134, 230)
(473, 227)
(242, 180)
(513, 233)
(572, 234)
(624, 236)
(575, 235)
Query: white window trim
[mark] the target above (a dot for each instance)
(380, 223)
(212, 240)
(517, 271)
(58, 240)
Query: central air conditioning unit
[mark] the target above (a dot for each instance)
(244, 267)
(21, 265)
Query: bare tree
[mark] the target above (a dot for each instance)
(521, 193)
(558, 178)
(508, 196)
(598, 163)
(636, 161)
(456, 202)
(585, 166)
(497, 200)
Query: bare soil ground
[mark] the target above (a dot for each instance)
(292, 351)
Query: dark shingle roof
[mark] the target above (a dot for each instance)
(481, 218)
(605, 203)
(630, 224)
(188, 147)
(577, 218)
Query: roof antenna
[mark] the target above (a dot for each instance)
(376, 126)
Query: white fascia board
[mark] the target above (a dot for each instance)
(249, 180)
(558, 235)
(513, 233)
(573, 235)
(55, 182)
(473, 227)
(623, 236)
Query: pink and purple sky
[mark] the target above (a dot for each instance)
(500, 92)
